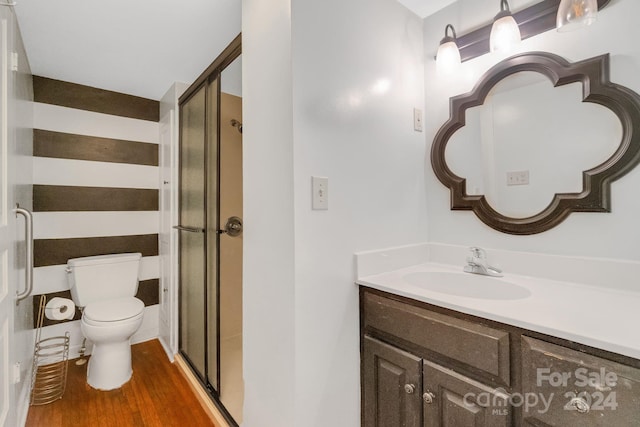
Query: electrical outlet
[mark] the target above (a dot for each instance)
(319, 193)
(417, 120)
(16, 372)
(518, 178)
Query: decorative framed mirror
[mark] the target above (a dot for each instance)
(536, 139)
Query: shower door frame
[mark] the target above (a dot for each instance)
(213, 72)
(203, 376)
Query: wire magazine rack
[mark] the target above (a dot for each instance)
(50, 358)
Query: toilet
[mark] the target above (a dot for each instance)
(104, 287)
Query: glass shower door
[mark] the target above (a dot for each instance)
(193, 232)
(210, 215)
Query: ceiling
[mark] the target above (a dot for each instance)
(137, 47)
(424, 8)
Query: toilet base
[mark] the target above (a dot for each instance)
(109, 365)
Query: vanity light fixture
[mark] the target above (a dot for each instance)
(574, 14)
(448, 56)
(536, 19)
(505, 33)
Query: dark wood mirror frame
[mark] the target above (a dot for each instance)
(597, 88)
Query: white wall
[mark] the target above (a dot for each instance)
(347, 114)
(357, 77)
(610, 235)
(268, 252)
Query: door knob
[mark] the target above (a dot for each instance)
(580, 405)
(409, 388)
(428, 397)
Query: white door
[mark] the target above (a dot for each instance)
(166, 222)
(16, 177)
(7, 232)
(165, 225)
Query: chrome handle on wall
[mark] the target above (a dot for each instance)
(28, 237)
(189, 229)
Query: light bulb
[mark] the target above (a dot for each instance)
(574, 14)
(448, 56)
(505, 33)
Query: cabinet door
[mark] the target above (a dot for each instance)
(453, 400)
(392, 384)
(577, 389)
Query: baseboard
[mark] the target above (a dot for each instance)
(144, 335)
(203, 397)
(167, 349)
(23, 402)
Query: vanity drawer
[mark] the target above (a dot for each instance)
(472, 344)
(580, 389)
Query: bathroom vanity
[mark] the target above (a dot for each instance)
(472, 353)
(553, 342)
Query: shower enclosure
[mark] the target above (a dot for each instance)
(210, 224)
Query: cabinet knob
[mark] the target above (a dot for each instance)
(580, 404)
(428, 397)
(409, 388)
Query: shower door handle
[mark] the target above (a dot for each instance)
(189, 229)
(28, 237)
(233, 227)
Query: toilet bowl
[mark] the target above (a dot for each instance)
(104, 287)
(109, 325)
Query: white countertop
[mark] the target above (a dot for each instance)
(599, 317)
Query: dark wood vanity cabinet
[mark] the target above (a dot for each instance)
(424, 366)
(401, 389)
(581, 389)
(452, 399)
(392, 385)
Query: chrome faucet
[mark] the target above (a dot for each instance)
(477, 264)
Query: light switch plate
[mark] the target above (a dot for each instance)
(417, 120)
(319, 193)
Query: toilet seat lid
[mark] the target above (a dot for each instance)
(113, 310)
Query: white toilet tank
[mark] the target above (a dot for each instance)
(103, 277)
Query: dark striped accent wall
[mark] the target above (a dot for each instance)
(58, 251)
(96, 181)
(66, 198)
(148, 292)
(72, 95)
(82, 147)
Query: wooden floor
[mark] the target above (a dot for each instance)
(156, 395)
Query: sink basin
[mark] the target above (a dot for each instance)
(467, 285)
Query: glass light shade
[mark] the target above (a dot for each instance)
(448, 58)
(574, 14)
(505, 34)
